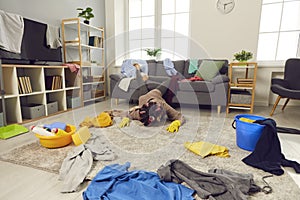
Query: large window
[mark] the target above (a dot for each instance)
(279, 35)
(158, 24)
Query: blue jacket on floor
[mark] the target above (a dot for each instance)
(115, 182)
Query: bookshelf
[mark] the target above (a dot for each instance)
(27, 86)
(242, 83)
(83, 44)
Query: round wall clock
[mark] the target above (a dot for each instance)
(225, 6)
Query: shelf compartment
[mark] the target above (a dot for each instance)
(12, 104)
(35, 76)
(54, 78)
(59, 97)
(33, 106)
(71, 79)
(8, 80)
(240, 97)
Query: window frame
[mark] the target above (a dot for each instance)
(279, 32)
(157, 29)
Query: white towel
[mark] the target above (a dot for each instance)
(52, 37)
(11, 31)
(124, 83)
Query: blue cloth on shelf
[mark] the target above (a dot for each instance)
(117, 183)
(129, 70)
(169, 67)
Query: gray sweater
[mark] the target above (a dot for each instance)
(216, 184)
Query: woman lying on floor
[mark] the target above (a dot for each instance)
(153, 110)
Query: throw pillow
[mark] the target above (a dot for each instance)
(208, 69)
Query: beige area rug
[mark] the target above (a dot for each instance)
(147, 148)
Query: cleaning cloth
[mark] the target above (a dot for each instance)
(104, 119)
(205, 149)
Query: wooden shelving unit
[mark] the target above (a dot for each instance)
(241, 90)
(83, 44)
(40, 94)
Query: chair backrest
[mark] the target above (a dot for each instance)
(292, 73)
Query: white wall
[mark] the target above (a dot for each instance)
(223, 35)
(53, 11)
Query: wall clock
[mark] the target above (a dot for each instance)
(225, 6)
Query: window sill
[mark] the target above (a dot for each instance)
(280, 63)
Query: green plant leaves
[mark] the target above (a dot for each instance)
(153, 52)
(86, 13)
(243, 56)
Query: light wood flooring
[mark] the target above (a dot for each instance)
(19, 182)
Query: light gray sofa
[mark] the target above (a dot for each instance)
(212, 92)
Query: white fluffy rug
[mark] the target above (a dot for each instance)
(147, 148)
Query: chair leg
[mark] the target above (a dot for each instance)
(219, 109)
(275, 105)
(285, 103)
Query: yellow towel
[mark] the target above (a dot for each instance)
(206, 149)
(104, 119)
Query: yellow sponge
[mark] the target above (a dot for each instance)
(81, 136)
(247, 120)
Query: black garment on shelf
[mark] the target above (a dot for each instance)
(267, 154)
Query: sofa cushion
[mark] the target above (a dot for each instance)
(160, 69)
(179, 65)
(197, 86)
(151, 67)
(208, 69)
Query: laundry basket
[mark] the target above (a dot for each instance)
(247, 133)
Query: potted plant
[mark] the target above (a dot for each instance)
(86, 14)
(243, 56)
(153, 52)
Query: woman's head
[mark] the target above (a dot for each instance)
(152, 114)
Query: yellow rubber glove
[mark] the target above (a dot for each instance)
(174, 126)
(125, 122)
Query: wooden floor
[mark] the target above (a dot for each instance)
(19, 182)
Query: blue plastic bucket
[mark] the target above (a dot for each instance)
(247, 134)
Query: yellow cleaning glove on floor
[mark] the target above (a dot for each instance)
(205, 149)
(174, 126)
(125, 122)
